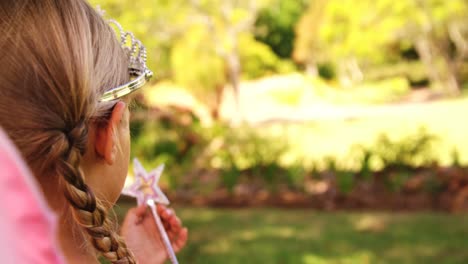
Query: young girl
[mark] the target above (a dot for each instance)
(58, 58)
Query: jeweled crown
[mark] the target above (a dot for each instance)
(136, 54)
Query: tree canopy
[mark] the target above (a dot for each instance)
(206, 45)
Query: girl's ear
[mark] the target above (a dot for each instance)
(106, 136)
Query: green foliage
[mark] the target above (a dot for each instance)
(413, 150)
(414, 72)
(246, 155)
(339, 29)
(327, 71)
(433, 185)
(238, 155)
(157, 23)
(230, 178)
(345, 181)
(359, 35)
(365, 171)
(277, 157)
(171, 140)
(396, 158)
(275, 25)
(198, 43)
(257, 58)
(192, 42)
(245, 149)
(397, 179)
(196, 49)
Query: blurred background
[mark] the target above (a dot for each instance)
(307, 131)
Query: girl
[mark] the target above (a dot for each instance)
(58, 58)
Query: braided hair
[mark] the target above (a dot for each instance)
(56, 58)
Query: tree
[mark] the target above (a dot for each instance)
(225, 21)
(439, 32)
(275, 25)
(194, 42)
(359, 33)
(157, 23)
(197, 67)
(349, 33)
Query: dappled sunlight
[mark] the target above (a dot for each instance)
(371, 223)
(273, 232)
(359, 257)
(409, 251)
(298, 236)
(248, 235)
(203, 216)
(281, 232)
(217, 246)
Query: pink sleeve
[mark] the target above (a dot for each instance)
(27, 226)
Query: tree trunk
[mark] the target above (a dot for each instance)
(215, 111)
(451, 77)
(446, 75)
(355, 71)
(343, 76)
(349, 72)
(234, 71)
(424, 50)
(312, 69)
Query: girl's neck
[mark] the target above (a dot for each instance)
(74, 246)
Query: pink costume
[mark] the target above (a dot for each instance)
(27, 226)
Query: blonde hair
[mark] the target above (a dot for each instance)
(57, 57)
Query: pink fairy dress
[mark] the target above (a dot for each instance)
(27, 226)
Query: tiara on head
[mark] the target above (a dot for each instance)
(139, 72)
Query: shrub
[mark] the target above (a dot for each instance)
(251, 156)
(414, 150)
(259, 60)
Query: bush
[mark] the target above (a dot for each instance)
(327, 71)
(172, 137)
(244, 155)
(219, 156)
(414, 150)
(259, 60)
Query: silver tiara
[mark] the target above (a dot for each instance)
(139, 72)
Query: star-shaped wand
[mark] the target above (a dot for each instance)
(146, 190)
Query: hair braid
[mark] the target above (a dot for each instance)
(87, 210)
(57, 58)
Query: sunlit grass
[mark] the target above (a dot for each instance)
(335, 137)
(317, 130)
(309, 237)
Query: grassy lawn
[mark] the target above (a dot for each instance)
(336, 137)
(317, 129)
(310, 237)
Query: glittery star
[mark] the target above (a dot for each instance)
(146, 187)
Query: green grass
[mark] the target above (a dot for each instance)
(310, 237)
(295, 89)
(335, 137)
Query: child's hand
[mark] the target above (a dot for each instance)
(142, 236)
